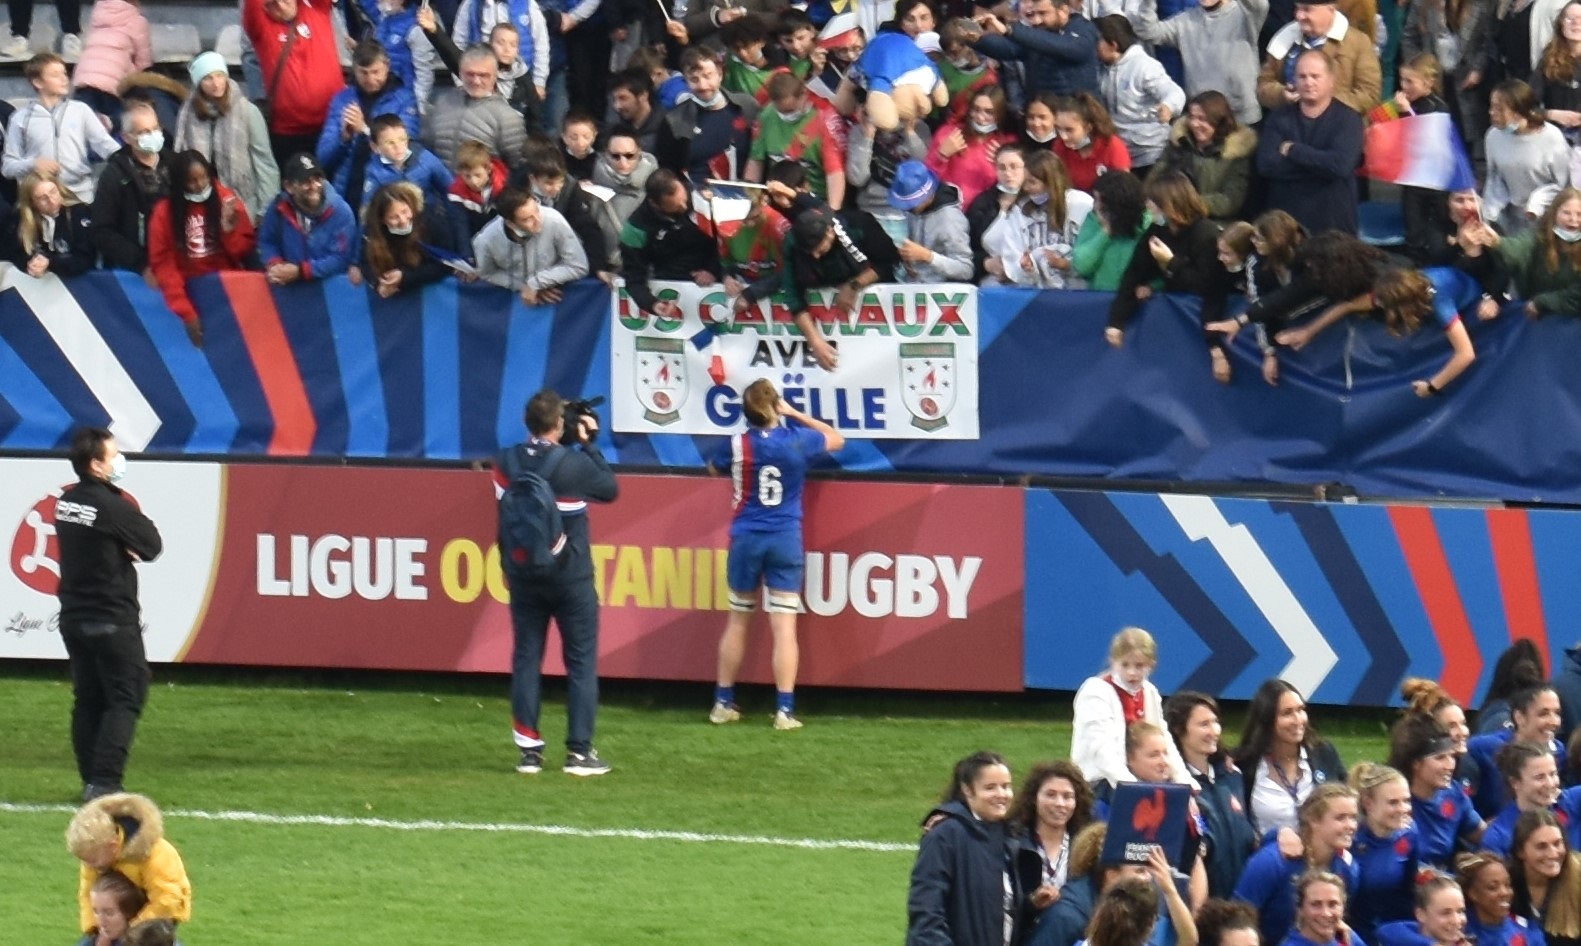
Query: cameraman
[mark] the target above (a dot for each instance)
(569, 597)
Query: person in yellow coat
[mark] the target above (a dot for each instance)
(126, 833)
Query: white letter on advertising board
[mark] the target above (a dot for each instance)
(914, 593)
(268, 585)
(818, 602)
(958, 582)
(331, 578)
(408, 569)
(872, 597)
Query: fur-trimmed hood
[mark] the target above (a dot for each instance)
(149, 79)
(1240, 143)
(139, 820)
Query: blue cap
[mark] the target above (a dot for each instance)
(914, 184)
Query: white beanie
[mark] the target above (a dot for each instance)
(206, 65)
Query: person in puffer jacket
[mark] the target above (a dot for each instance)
(308, 232)
(397, 158)
(117, 45)
(126, 833)
(1141, 97)
(624, 167)
(938, 247)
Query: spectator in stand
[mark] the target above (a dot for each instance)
(1034, 245)
(230, 131)
(631, 99)
(662, 241)
(1110, 702)
(1353, 64)
(703, 21)
(1440, 808)
(474, 112)
(798, 44)
(1037, 122)
(529, 249)
(308, 232)
(1327, 827)
(1228, 840)
(1534, 713)
(1545, 875)
(115, 900)
(474, 23)
(53, 135)
(1139, 94)
(1457, 32)
(1054, 805)
(970, 883)
(134, 179)
(1309, 151)
(480, 178)
(1407, 298)
(872, 156)
(710, 134)
(125, 834)
(624, 168)
(513, 78)
(794, 129)
(1556, 81)
(1424, 209)
(1222, 922)
(1058, 45)
(937, 247)
(912, 17)
(200, 227)
(578, 135)
(963, 152)
(1218, 46)
(17, 47)
(117, 45)
(1489, 920)
(1108, 237)
(397, 158)
(1528, 158)
(747, 69)
(1283, 756)
(991, 210)
(298, 56)
(591, 219)
(1518, 667)
(753, 252)
(403, 237)
(394, 28)
(49, 232)
(1271, 267)
(1211, 148)
(1088, 142)
(965, 73)
(344, 148)
(1180, 252)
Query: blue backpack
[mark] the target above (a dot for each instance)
(532, 534)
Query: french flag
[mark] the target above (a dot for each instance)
(1418, 151)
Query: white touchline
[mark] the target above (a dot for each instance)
(560, 830)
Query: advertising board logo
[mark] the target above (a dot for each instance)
(35, 552)
(927, 382)
(661, 378)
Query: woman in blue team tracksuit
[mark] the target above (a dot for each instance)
(1327, 826)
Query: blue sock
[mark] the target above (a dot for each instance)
(785, 703)
(725, 695)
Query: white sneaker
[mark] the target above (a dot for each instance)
(784, 720)
(70, 47)
(16, 48)
(723, 713)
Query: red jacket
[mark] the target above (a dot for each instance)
(311, 75)
(1107, 154)
(173, 268)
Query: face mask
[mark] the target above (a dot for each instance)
(391, 162)
(718, 101)
(1569, 236)
(201, 195)
(1083, 144)
(118, 468)
(1039, 200)
(399, 231)
(1513, 127)
(151, 142)
(963, 62)
(1042, 139)
(985, 128)
(517, 232)
(1007, 190)
(791, 118)
(1236, 268)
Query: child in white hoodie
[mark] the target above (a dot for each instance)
(1141, 97)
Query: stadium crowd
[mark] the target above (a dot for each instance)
(1459, 838)
(1208, 147)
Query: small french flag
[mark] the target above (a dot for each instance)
(1418, 151)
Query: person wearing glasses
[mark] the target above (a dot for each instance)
(624, 167)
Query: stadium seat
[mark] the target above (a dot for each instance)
(175, 42)
(1382, 224)
(229, 43)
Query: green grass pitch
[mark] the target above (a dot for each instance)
(408, 749)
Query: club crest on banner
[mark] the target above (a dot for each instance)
(661, 379)
(927, 382)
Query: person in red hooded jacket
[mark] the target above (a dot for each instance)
(202, 227)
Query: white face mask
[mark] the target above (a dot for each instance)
(1042, 139)
(791, 118)
(985, 128)
(151, 142)
(1083, 144)
(717, 101)
(118, 468)
(1513, 128)
(201, 195)
(394, 161)
(1569, 236)
(517, 232)
(399, 231)
(1003, 189)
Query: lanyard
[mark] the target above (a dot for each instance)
(1276, 772)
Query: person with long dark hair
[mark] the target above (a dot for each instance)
(1283, 755)
(1532, 781)
(1545, 876)
(1108, 237)
(1210, 147)
(1193, 722)
(1534, 715)
(971, 882)
(1519, 666)
(1054, 805)
(1441, 808)
(201, 227)
(404, 241)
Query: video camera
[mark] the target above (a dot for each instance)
(573, 414)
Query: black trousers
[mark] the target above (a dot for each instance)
(109, 678)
